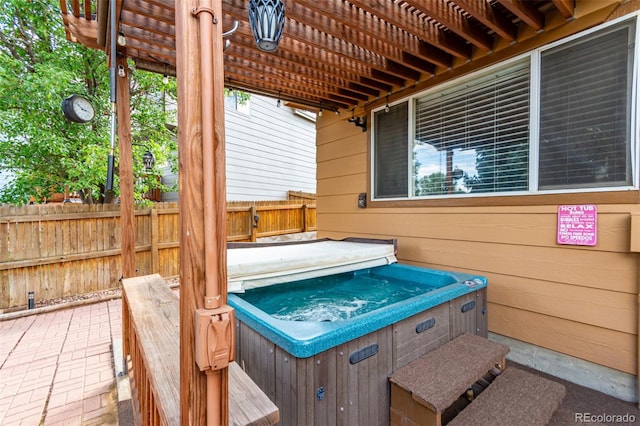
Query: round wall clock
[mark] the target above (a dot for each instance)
(77, 109)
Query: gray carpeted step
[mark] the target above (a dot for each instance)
(515, 397)
(441, 376)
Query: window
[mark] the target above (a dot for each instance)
(311, 116)
(390, 153)
(237, 101)
(558, 119)
(585, 113)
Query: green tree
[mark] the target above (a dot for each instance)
(433, 184)
(42, 151)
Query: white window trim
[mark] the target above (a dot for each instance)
(534, 120)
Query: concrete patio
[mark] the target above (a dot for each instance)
(57, 368)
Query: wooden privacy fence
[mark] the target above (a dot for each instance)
(63, 250)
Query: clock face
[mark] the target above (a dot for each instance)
(78, 109)
(83, 109)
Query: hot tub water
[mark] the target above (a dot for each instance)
(333, 298)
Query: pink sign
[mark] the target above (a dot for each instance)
(578, 224)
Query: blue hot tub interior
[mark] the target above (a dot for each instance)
(310, 316)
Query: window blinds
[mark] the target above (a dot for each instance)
(487, 117)
(585, 113)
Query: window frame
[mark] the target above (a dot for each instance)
(534, 195)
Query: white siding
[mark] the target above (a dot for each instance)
(4, 178)
(270, 151)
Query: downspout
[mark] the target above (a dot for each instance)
(212, 286)
(212, 297)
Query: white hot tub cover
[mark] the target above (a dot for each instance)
(251, 265)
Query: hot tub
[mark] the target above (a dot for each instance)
(333, 369)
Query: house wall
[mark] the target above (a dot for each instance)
(575, 300)
(4, 178)
(270, 151)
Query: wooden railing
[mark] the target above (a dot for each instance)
(153, 345)
(63, 250)
(152, 351)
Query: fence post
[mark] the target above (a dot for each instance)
(305, 215)
(155, 261)
(253, 224)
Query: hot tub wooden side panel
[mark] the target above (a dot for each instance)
(256, 356)
(482, 324)
(326, 389)
(410, 345)
(467, 314)
(363, 387)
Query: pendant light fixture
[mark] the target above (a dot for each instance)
(266, 19)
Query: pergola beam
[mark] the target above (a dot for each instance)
(565, 7)
(484, 13)
(454, 20)
(526, 12)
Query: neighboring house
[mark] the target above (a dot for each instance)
(269, 150)
(470, 173)
(4, 178)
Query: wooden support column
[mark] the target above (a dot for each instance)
(127, 213)
(125, 166)
(202, 200)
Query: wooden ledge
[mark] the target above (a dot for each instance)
(155, 315)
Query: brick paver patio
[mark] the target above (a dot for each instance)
(56, 368)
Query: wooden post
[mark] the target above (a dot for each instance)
(127, 213)
(305, 215)
(125, 165)
(155, 261)
(253, 224)
(194, 209)
(192, 382)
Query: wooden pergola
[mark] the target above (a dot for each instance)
(334, 55)
(346, 56)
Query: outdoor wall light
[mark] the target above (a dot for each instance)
(358, 121)
(122, 40)
(266, 19)
(149, 160)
